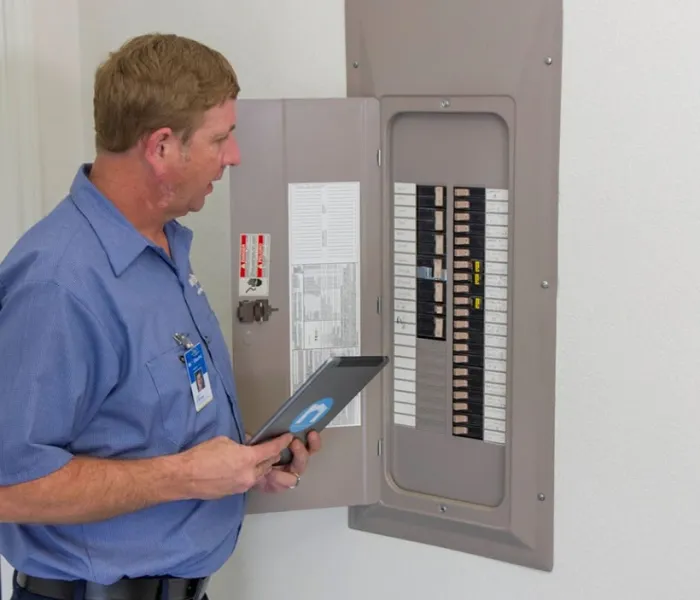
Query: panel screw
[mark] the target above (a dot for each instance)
(545, 284)
(443, 508)
(445, 104)
(548, 60)
(540, 497)
(355, 64)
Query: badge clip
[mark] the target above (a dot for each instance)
(183, 340)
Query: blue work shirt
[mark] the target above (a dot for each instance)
(89, 366)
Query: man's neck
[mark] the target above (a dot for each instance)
(124, 182)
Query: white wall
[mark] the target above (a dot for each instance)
(64, 113)
(5, 579)
(628, 484)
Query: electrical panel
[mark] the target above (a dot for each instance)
(416, 217)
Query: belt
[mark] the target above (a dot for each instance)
(142, 588)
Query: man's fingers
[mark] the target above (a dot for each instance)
(300, 457)
(263, 468)
(314, 442)
(272, 448)
(282, 480)
(267, 454)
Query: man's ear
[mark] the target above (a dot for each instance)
(161, 147)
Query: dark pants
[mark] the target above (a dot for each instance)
(21, 594)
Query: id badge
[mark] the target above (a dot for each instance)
(199, 377)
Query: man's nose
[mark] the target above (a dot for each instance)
(232, 156)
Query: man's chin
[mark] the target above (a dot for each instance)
(197, 206)
(197, 203)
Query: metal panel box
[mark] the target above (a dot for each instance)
(415, 218)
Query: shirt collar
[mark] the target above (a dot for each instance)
(122, 243)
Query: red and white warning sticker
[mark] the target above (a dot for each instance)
(254, 265)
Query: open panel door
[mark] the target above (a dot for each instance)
(306, 220)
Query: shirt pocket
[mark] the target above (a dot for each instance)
(182, 424)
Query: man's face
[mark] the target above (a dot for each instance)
(191, 171)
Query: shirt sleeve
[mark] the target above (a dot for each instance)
(57, 366)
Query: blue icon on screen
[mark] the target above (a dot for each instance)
(311, 415)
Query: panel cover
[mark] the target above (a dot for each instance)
(305, 218)
(470, 103)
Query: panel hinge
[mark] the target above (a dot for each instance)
(379, 157)
(380, 446)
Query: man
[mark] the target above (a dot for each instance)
(119, 477)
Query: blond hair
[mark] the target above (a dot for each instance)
(154, 81)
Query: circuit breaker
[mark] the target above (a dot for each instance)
(417, 218)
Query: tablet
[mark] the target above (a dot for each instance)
(320, 398)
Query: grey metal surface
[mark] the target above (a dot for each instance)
(284, 141)
(462, 146)
(470, 95)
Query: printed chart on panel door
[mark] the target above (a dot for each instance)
(324, 251)
(451, 308)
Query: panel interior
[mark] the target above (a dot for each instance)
(450, 391)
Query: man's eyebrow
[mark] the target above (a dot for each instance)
(225, 135)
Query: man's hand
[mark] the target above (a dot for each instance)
(283, 478)
(221, 467)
